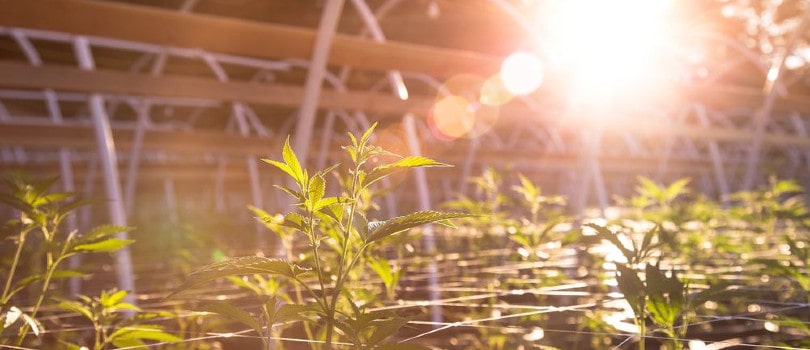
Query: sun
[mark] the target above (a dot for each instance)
(603, 46)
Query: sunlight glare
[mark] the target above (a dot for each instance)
(606, 46)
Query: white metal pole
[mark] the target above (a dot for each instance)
(317, 70)
(714, 153)
(423, 193)
(109, 162)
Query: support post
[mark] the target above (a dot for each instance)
(313, 85)
(423, 193)
(109, 165)
(714, 152)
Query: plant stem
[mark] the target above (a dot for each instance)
(17, 254)
(355, 195)
(51, 265)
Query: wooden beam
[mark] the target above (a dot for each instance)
(20, 75)
(233, 36)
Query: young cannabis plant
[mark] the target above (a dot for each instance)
(339, 222)
(41, 213)
(653, 293)
(109, 328)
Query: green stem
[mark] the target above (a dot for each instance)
(642, 326)
(355, 195)
(51, 265)
(7, 290)
(300, 298)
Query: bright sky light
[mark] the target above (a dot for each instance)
(605, 46)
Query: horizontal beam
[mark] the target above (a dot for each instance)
(20, 75)
(232, 36)
(24, 76)
(200, 143)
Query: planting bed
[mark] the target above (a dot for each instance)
(665, 269)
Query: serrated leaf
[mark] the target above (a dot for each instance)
(111, 299)
(291, 312)
(295, 221)
(631, 286)
(73, 205)
(104, 246)
(676, 189)
(382, 268)
(385, 170)
(402, 346)
(329, 201)
(227, 309)
(665, 296)
(361, 225)
(608, 235)
(103, 231)
(281, 166)
(317, 189)
(38, 277)
(246, 265)
(295, 194)
(134, 335)
(292, 161)
(16, 203)
(367, 134)
(335, 210)
(402, 223)
(385, 329)
(76, 307)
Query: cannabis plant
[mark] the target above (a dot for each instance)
(110, 328)
(338, 236)
(37, 234)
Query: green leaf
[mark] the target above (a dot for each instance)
(292, 312)
(334, 210)
(329, 201)
(73, 205)
(295, 221)
(382, 171)
(246, 265)
(16, 203)
(389, 227)
(676, 189)
(385, 329)
(665, 296)
(133, 335)
(608, 235)
(103, 231)
(383, 269)
(39, 277)
(292, 161)
(110, 299)
(76, 307)
(107, 245)
(631, 286)
(227, 309)
(402, 346)
(361, 225)
(281, 166)
(295, 194)
(317, 188)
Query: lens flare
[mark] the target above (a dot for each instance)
(452, 117)
(522, 73)
(494, 92)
